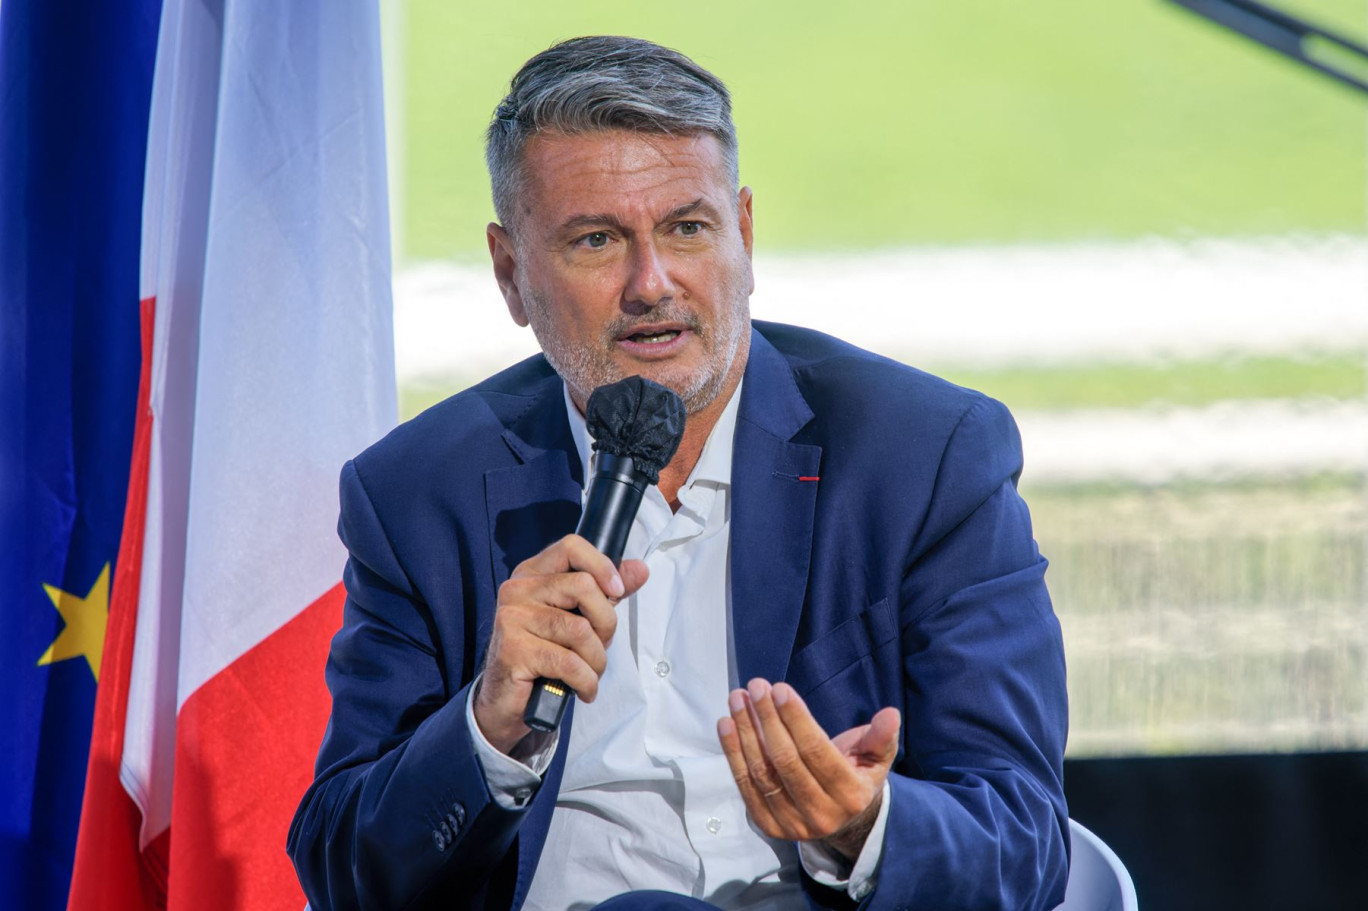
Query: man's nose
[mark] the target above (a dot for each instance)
(648, 282)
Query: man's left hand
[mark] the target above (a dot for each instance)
(798, 783)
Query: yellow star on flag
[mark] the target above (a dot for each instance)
(86, 619)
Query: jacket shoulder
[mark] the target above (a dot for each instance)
(464, 430)
(854, 390)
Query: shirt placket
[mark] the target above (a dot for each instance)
(656, 604)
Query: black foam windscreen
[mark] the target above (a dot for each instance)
(638, 419)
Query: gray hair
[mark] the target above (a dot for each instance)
(587, 85)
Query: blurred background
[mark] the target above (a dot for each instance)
(1144, 233)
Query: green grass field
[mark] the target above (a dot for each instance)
(1064, 387)
(894, 123)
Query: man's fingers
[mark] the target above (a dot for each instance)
(504, 686)
(574, 672)
(779, 789)
(572, 632)
(761, 775)
(568, 591)
(798, 783)
(574, 553)
(556, 615)
(551, 660)
(837, 778)
(729, 737)
(821, 756)
(776, 809)
(824, 791)
(783, 753)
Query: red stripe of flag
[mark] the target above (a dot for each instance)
(110, 872)
(245, 747)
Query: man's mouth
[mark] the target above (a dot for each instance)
(654, 337)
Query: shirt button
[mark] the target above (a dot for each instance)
(662, 668)
(714, 825)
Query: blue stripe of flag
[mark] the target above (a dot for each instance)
(75, 88)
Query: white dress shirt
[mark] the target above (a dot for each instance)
(647, 800)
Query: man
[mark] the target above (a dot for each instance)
(828, 672)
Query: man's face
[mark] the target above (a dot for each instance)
(631, 255)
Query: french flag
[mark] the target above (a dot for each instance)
(268, 360)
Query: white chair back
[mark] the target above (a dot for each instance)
(1098, 881)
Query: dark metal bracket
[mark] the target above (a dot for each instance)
(1338, 57)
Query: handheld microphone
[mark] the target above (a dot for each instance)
(636, 425)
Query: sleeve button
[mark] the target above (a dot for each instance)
(458, 812)
(439, 840)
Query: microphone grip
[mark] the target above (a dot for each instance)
(614, 498)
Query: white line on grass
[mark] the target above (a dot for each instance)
(977, 306)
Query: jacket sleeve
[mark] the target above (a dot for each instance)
(398, 811)
(977, 815)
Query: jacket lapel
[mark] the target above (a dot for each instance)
(774, 491)
(537, 500)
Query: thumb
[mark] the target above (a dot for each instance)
(634, 574)
(880, 740)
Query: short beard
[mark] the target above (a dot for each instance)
(587, 368)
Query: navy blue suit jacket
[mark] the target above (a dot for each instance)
(906, 576)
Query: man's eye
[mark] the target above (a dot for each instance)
(597, 240)
(690, 228)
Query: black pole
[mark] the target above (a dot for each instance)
(1294, 38)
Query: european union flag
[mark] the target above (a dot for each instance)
(75, 87)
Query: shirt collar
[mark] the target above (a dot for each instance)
(714, 463)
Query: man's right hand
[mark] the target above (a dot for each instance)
(538, 634)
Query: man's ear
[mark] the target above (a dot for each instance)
(505, 257)
(745, 218)
(746, 223)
